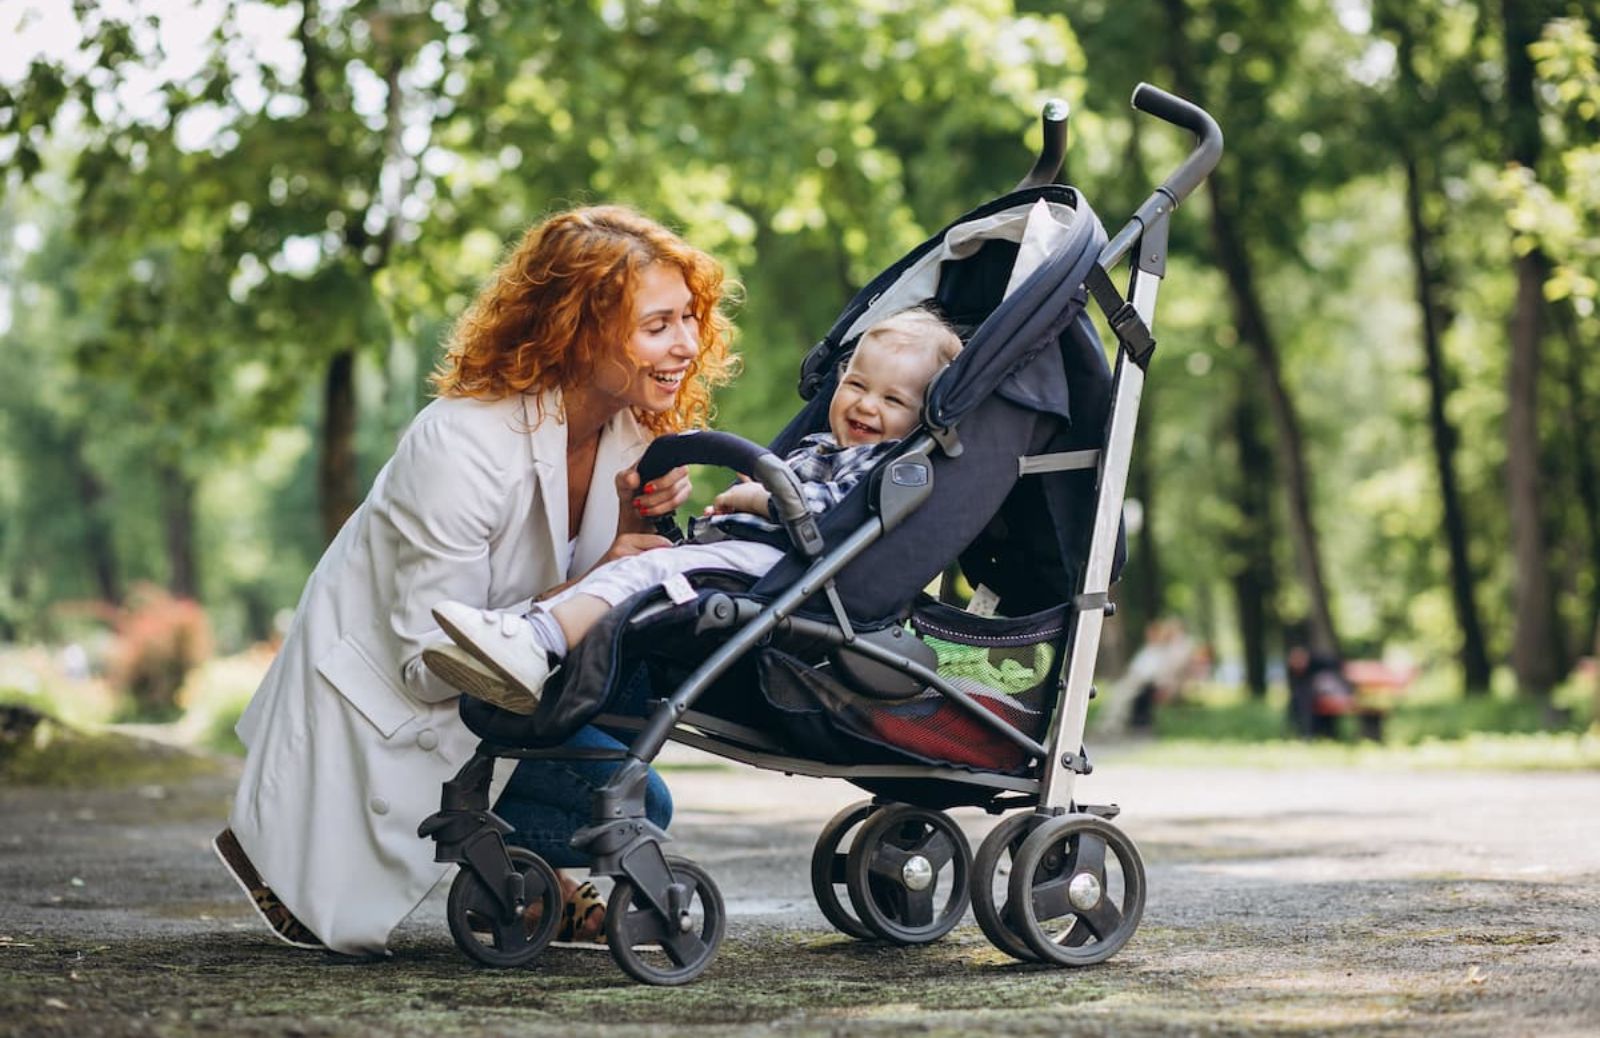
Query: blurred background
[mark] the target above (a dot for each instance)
(1365, 498)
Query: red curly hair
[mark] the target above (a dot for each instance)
(562, 301)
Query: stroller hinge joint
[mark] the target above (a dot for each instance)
(1077, 763)
(1091, 600)
(947, 440)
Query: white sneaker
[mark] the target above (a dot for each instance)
(505, 643)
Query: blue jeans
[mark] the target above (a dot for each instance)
(547, 801)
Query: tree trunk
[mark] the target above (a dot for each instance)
(1254, 579)
(337, 486)
(99, 541)
(1250, 317)
(1144, 561)
(177, 513)
(1533, 649)
(1463, 595)
(1412, 111)
(1534, 655)
(1588, 474)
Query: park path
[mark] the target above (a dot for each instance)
(1339, 901)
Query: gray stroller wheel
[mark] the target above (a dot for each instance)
(649, 949)
(1077, 890)
(896, 867)
(828, 869)
(479, 924)
(999, 851)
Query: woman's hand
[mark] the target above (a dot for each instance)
(745, 497)
(661, 496)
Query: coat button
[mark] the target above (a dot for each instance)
(379, 805)
(427, 739)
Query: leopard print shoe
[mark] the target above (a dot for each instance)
(284, 926)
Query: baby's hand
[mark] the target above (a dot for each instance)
(745, 497)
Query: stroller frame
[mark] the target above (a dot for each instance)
(1057, 852)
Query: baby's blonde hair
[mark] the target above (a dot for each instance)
(916, 328)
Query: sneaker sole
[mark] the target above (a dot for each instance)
(470, 679)
(273, 930)
(513, 695)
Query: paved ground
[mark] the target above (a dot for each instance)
(1300, 901)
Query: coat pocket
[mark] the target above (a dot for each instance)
(365, 687)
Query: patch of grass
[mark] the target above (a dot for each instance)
(1431, 724)
(39, 750)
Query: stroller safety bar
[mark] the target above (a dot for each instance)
(705, 447)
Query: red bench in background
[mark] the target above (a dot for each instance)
(1374, 688)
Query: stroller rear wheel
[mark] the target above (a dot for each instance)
(654, 949)
(486, 933)
(1077, 890)
(991, 880)
(896, 868)
(828, 869)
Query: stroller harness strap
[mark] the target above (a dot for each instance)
(1066, 461)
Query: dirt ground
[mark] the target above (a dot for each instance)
(1312, 902)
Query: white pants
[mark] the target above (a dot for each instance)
(621, 579)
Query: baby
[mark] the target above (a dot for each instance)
(877, 403)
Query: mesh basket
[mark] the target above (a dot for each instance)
(1007, 665)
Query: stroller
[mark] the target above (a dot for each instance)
(837, 662)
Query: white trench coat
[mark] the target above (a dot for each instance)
(350, 737)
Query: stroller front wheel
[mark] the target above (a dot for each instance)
(654, 949)
(829, 869)
(486, 932)
(896, 868)
(991, 869)
(1077, 890)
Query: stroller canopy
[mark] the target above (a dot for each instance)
(1032, 379)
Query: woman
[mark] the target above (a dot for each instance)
(599, 331)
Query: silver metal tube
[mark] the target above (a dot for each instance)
(1072, 708)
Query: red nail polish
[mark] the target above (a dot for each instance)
(649, 488)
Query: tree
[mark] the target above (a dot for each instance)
(1422, 119)
(1536, 654)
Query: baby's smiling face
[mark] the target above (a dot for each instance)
(880, 392)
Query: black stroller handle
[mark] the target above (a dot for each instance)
(1207, 150)
(1054, 148)
(708, 447)
(1180, 184)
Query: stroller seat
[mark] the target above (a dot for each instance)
(838, 661)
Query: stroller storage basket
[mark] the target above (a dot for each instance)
(1007, 665)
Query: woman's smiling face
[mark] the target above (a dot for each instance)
(880, 393)
(665, 340)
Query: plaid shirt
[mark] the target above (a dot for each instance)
(827, 473)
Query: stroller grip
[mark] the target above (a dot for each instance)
(1048, 166)
(1207, 150)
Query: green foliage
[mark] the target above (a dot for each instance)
(187, 239)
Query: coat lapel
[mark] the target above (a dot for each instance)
(621, 443)
(547, 444)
